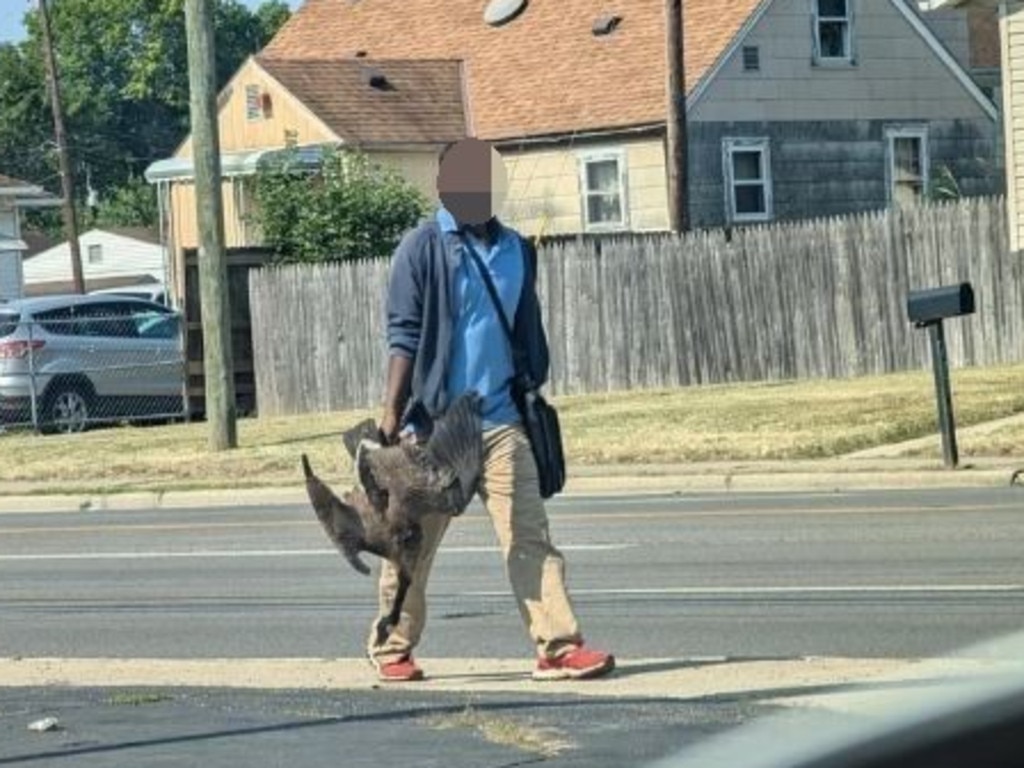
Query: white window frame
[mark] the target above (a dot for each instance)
(95, 248)
(817, 20)
(730, 146)
(253, 115)
(584, 160)
(894, 132)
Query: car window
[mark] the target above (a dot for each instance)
(56, 321)
(8, 323)
(107, 320)
(152, 324)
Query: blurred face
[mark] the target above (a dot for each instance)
(472, 182)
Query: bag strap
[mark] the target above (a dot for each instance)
(517, 355)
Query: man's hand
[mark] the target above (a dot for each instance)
(389, 426)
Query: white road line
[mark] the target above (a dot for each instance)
(810, 590)
(234, 553)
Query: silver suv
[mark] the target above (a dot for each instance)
(76, 360)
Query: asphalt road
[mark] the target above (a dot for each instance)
(888, 574)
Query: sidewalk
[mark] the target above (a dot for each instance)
(816, 476)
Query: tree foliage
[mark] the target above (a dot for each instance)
(124, 80)
(347, 207)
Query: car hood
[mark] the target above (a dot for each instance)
(888, 716)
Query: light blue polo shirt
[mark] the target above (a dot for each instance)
(481, 357)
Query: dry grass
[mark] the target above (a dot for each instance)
(504, 731)
(742, 422)
(780, 421)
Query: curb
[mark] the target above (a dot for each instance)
(638, 480)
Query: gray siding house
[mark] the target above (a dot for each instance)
(826, 107)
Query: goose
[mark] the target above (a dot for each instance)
(398, 485)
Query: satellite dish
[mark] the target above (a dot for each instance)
(500, 12)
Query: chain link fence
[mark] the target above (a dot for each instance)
(69, 367)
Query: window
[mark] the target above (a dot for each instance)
(751, 58)
(833, 30)
(57, 321)
(907, 164)
(106, 320)
(253, 103)
(603, 186)
(152, 324)
(8, 323)
(95, 255)
(748, 180)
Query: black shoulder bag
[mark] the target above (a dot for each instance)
(540, 420)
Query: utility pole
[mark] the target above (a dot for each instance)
(218, 366)
(67, 180)
(676, 144)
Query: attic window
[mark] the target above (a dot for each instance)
(751, 58)
(253, 103)
(605, 25)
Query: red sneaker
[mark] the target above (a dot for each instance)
(401, 671)
(578, 664)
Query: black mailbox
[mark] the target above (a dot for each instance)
(935, 304)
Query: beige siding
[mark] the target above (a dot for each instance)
(418, 168)
(545, 195)
(896, 75)
(237, 133)
(1012, 29)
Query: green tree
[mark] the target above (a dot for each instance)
(347, 208)
(133, 204)
(124, 72)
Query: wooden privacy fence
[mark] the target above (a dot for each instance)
(818, 299)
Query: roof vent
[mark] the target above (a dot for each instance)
(377, 80)
(499, 12)
(605, 25)
(360, 54)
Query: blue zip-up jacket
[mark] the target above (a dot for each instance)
(420, 316)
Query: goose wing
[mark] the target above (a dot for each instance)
(454, 454)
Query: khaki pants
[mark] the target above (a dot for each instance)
(536, 569)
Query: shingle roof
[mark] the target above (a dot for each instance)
(421, 102)
(543, 73)
(36, 241)
(984, 34)
(7, 181)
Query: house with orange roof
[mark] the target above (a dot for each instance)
(796, 108)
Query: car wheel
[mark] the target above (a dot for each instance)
(68, 410)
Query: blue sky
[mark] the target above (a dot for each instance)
(12, 12)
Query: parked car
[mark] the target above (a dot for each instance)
(964, 710)
(83, 359)
(149, 291)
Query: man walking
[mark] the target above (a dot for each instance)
(445, 338)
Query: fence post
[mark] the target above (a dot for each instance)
(183, 349)
(33, 400)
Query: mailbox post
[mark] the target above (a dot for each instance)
(927, 309)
